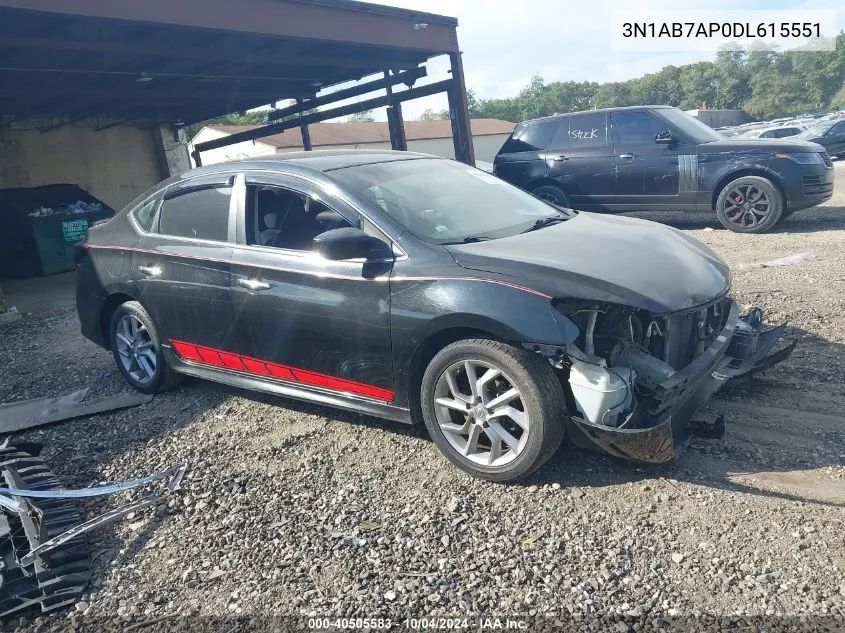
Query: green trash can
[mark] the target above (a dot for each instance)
(56, 234)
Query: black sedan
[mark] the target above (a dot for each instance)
(421, 290)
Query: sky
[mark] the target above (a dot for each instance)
(505, 42)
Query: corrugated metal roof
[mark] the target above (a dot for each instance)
(354, 133)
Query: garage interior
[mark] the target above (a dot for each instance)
(97, 94)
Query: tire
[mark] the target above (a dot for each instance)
(134, 359)
(737, 211)
(455, 427)
(553, 194)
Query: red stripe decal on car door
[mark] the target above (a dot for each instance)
(228, 360)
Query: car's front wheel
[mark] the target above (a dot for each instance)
(750, 204)
(495, 410)
(136, 348)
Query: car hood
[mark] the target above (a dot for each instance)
(759, 145)
(606, 258)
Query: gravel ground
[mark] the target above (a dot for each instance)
(290, 509)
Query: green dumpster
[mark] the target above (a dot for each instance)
(55, 236)
(41, 225)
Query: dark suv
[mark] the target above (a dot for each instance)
(649, 158)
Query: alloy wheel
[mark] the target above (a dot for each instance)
(747, 206)
(136, 349)
(481, 413)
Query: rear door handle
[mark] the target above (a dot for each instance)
(560, 158)
(628, 156)
(150, 271)
(253, 284)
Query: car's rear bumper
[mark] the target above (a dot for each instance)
(89, 303)
(733, 357)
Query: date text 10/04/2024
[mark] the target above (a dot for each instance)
(418, 624)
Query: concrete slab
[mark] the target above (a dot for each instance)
(40, 294)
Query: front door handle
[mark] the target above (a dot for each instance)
(253, 285)
(560, 158)
(150, 271)
(628, 156)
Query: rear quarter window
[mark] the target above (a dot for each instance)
(531, 137)
(145, 213)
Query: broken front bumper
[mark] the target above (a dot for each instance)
(740, 350)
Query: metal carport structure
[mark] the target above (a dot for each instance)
(183, 61)
(137, 72)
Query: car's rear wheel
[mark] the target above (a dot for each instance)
(750, 204)
(136, 348)
(553, 194)
(495, 411)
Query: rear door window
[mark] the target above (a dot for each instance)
(588, 130)
(200, 213)
(531, 137)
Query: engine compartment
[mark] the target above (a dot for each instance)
(613, 369)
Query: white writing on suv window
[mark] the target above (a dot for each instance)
(584, 134)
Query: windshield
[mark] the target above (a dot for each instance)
(442, 201)
(817, 130)
(690, 128)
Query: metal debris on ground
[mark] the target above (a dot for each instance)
(17, 416)
(43, 555)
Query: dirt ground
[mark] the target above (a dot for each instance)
(307, 511)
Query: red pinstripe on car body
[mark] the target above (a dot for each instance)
(226, 360)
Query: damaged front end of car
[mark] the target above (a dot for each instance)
(634, 379)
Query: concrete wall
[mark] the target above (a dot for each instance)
(486, 147)
(115, 165)
(720, 118)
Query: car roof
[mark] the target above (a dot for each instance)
(563, 115)
(302, 163)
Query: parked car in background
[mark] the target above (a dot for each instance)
(782, 131)
(417, 288)
(650, 158)
(829, 134)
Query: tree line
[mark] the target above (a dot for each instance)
(765, 84)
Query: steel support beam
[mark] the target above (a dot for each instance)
(407, 77)
(306, 134)
(396, 130)
(325, 115)
(459, 113)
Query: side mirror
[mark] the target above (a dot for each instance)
(664, 138)
(350, 243)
